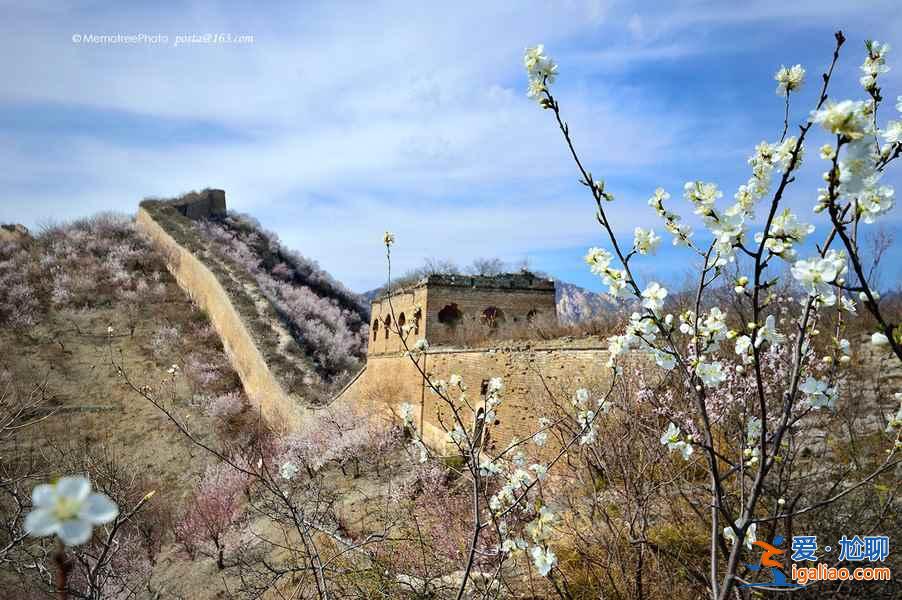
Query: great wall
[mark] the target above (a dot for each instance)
(534, 373)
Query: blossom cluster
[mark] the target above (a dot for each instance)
(732, 360)
(541, 70)
(599, 261)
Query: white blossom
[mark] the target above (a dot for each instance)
(874, 64)
(753, 429)
(665, 360)
(598, 260)
(789, 79)
(646, 241)
(489, 468)
(713, 328)
(641, 330)
(786, 231)
(744, 349)
(844, 346)
(818, 393)
(539, 529)
(847, 118)
(406, 413)
(617, 345)
(543, 559)
(681, 233)
(586, 420)
(711, 374)
(729, 533)
(288, 470)
(69, 510)
(541, 437)
(457, 435)
(856, 168)
(672, 439)
(768, 333)
(893, 132)
(874, 201)
(703, 195)
(894, 421)
(541, 71)
(541, 471)
(653, 296)
(847, 304)
(817, 274)
(388, 239)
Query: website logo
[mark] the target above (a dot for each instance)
(805, 549)
(773, 566)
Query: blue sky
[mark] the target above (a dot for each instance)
(344, 119)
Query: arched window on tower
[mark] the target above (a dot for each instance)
(402, 320)
(417, 314)
(375, 328)
(450, 315)
(387, 325)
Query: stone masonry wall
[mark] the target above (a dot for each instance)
(512, 297)
(262, 388)
(528, 375)
(404, 306)
(514, 304)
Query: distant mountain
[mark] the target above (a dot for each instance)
(574, 304)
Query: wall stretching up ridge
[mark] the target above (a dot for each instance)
(280, 409)
(537, 376)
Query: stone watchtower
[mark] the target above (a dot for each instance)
(437, 305)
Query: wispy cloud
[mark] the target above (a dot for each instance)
(340, 121)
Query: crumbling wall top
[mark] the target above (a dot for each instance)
(523, 280)
(13, 232)
(204, 204)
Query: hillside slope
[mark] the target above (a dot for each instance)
(78, 303)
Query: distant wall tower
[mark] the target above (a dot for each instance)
(201, 205)
(437, 304)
